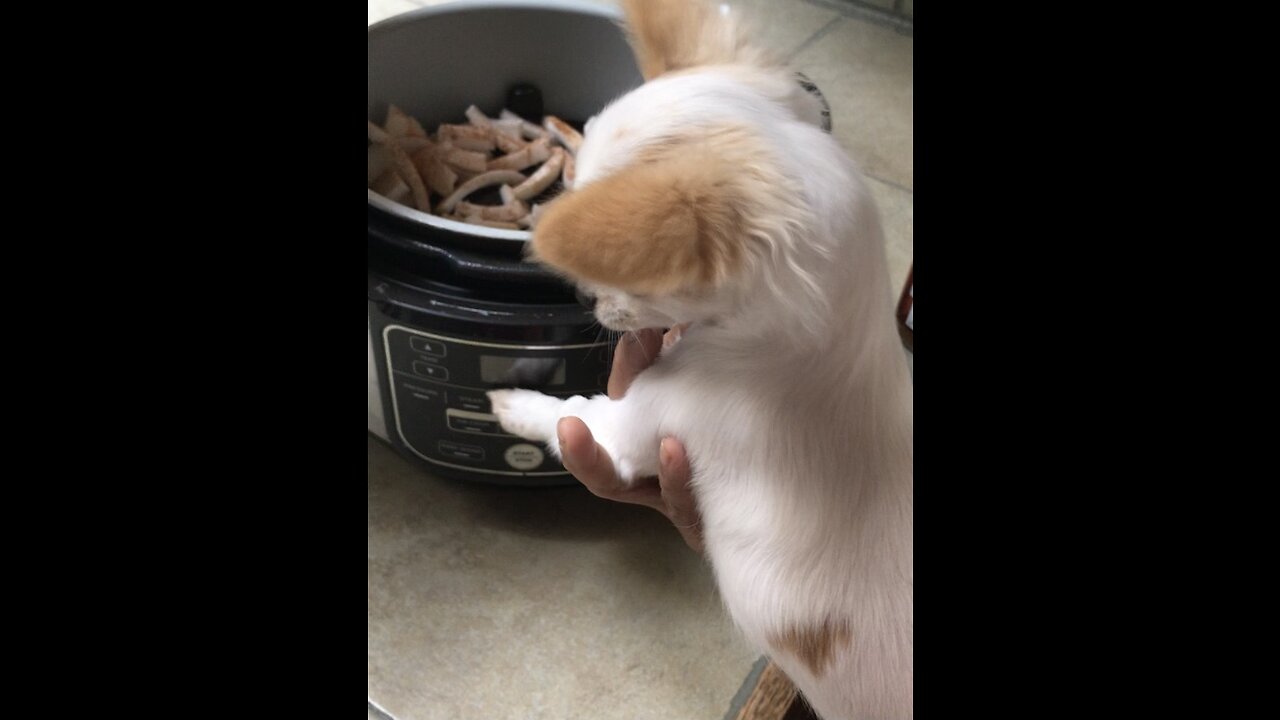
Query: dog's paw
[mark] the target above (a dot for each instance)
(628, 471)
(526, 413)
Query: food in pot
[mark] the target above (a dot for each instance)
(411, 167)
(563, 132)
(528, 130)
(570, 168)
(493, 177)
(541, 179)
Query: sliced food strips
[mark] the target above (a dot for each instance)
(563, 133)
(493, 177)
(542, 178)
(389, 185)
(400, 125)
(379, 161)
(467, 137)
(523, 160)
(570, 170)
(536, 152)
(438, 176)
(528, 130)
(507, 213)
(409, 173)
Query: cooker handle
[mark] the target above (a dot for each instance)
(466, 264)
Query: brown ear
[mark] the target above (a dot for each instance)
(672, 35)
(657, 227)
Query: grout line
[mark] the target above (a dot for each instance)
(890, 183)
(821, 33)
(378, 710)
(870, 13)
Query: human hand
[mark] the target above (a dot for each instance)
(582, 456)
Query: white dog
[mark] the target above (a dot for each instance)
(710, 196)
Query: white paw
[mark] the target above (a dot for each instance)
(627, 471)
(526, 413)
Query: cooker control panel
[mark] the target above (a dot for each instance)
(440, 411)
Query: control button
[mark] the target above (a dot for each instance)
(478, 403)
(448, 448)
(465, 421)
(435, 372)
(523, 456)
(427, 347)
(428, 394)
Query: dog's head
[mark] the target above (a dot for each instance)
(691, 199)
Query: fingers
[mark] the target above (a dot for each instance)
(635, 351)
(671, 495)
(579, 449)
(673, 479)
(583, 457)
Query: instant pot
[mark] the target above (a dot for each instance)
(454, 309)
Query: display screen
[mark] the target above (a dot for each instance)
(501, 370)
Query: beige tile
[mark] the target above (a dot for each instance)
(866, 73)
(784, 25)
(883, 4)
(781, 25)
(489, 603)
(897, 211)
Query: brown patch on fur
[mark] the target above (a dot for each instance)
(814, 645)
(672, 221)
(677, 34)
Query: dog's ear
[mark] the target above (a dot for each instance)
(657, 227)
(669, 35)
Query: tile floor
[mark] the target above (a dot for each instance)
(488, 603)
(498, 603)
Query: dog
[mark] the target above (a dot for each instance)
(711, 196)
